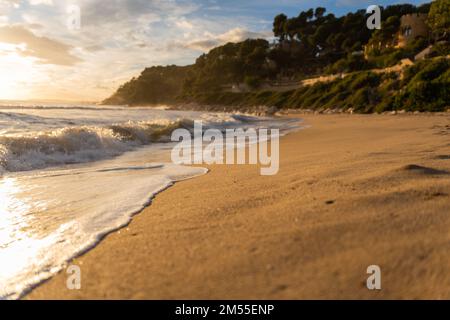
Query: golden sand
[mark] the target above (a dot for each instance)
(352, 191)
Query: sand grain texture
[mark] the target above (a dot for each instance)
(352, 191)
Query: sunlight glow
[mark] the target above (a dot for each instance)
(19, 249)
(18, 73)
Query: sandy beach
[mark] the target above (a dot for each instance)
(352, 191)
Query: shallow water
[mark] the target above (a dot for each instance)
(72, 174)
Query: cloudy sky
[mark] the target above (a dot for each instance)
(46, 52)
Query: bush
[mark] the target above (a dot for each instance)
(349, 64)
(440, 49)
(252, 82)
(424, 87)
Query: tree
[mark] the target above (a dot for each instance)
(252, 82)
(310, 13)
(388, 30)
(439, 19)
(320, 11)
(278, 26)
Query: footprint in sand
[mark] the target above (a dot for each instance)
(443, 157)
(424, 170)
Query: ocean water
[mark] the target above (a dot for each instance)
(69, 175)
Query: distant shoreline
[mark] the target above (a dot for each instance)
(271, 110)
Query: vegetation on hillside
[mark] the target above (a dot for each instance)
(313, 43)
(424, 87)
(155, 85)
(439, 19)
(232, 63)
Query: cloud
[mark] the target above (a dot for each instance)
(46, 50)
(119, 38)
(35, 26)
(38, 2)
(200, 45)
(13, 3)
(93, 48)
(95, 13)
(240, 34)
(210, 40)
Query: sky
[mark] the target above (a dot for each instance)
(82, 50)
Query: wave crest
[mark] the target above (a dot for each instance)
(81, 144)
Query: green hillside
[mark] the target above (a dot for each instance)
(315, 43)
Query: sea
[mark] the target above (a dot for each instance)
(71, 174)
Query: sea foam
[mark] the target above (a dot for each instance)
(70, 175)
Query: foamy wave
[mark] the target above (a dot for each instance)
(88, 143)
(64, 213)
(81, 144)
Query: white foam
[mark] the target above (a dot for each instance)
(91, 171)
(49, 217)
(36, 150)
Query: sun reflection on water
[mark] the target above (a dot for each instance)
(18, 248)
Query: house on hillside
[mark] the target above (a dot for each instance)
(412, 26)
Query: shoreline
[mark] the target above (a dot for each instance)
(266, 110)
(305, 233)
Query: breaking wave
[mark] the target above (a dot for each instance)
(81, 144)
